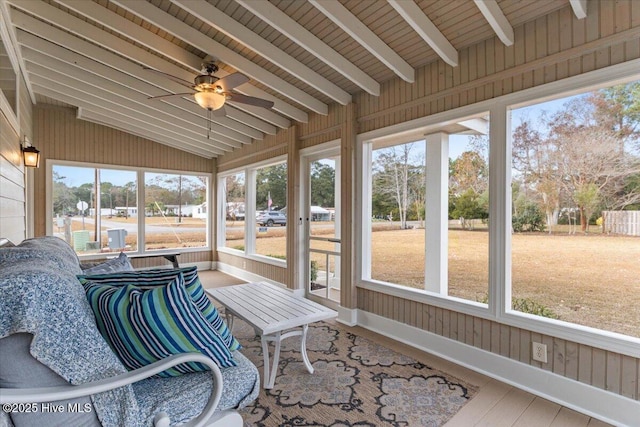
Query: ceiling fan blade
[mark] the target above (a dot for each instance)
(232, 80)
(174, 78)
(258, 102)
(170, 95)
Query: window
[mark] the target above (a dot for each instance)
(429, 209)
(554, 246)
(175, 211)
(233, 189)
(98, 209)
(271, 213)
(576, 209)
(253, 210)
(397, 208)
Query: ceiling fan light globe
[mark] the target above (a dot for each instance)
(209, 100)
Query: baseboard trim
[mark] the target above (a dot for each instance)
(594, 402)
(347, 316)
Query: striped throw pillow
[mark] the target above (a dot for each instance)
(158, 277)
(143, 326)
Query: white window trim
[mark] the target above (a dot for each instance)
(50, 163)
(500, 208)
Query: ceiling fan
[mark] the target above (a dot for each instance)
(212, 92)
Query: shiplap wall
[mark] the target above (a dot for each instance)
(12, 195)
(59, 135)
(552, 48)
(12, 172)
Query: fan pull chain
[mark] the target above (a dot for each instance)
(208, 123)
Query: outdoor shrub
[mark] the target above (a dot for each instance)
(529, 218)
(239, 247)
(527, 305)
(314, 270)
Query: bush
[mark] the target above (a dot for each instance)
(314, 271)
(530, 218)
(527, 305)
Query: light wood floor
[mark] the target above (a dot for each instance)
(496, 405)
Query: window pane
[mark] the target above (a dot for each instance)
(175, 211)
(468, 249)
(234, 187)
(119, 210)
(271, 212)
(576, 203)
(76, 218)
(397, 206)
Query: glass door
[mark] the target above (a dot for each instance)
(322, 217)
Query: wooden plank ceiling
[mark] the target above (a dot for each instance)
(301, 55)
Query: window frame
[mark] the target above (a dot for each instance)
(250, 224)
(499, 307)
(140, 174)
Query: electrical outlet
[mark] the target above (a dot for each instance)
(539, 352)
(244, 265)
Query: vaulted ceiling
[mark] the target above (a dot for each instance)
(301, 55)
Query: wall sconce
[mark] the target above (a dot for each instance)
(30, 154)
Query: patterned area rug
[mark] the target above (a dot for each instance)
(356, 383)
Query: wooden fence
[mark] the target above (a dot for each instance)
(622, 222)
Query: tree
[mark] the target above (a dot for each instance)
(536, 160)
(579, 157)
(323, 184)
(469, 171)
(394, 170)
(64, 201)
(271, 180)
(594, 170)
(468, 205)
(618, 109)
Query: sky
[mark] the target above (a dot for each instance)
(76, 176)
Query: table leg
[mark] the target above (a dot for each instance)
(229, 317)
(303, 349)
(271, 370)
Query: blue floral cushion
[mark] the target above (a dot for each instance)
(159, 277)
(121, 263)
(144, 325)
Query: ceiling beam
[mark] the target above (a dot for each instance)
(579, 8)
(7, 33)
(478, 125)
(421, 24)
(235, 30)
(495, 17)
(182, 56)
(147, 80)
(66, 74)
(82, 97)
(179, 29)
(301, 36)
(346, 20)
(80, 66)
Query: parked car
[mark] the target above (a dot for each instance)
(271, 218)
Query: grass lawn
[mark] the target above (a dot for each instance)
(592, 280)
